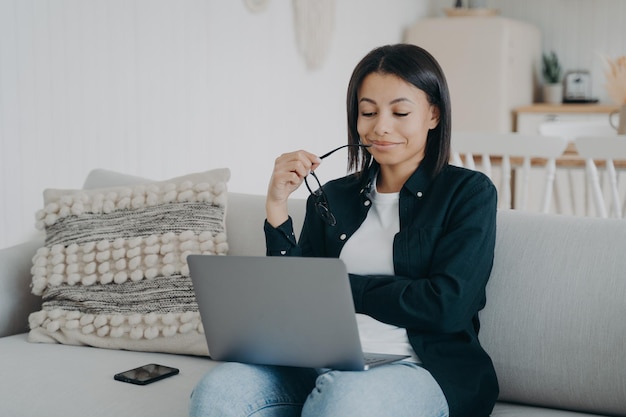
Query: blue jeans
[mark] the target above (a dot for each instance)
(399, 389)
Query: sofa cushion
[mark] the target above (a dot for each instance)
(244, 222)
(104, 178)
(68, 381)
(71, 381)
(113, 270)
(556, 302)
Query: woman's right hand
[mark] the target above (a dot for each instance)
(289, 172)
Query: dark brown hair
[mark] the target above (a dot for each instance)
(417, 67)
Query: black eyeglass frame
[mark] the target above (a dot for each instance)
(321, 200)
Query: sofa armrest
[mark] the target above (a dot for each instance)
(16, 300)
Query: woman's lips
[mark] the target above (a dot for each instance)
(383, 145)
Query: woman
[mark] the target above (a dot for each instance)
(417, 236)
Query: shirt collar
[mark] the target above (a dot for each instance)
(416, 185)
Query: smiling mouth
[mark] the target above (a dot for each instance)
(383, 144)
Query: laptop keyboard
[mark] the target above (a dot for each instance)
(370, 360)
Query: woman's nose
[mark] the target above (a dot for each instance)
(383, 126)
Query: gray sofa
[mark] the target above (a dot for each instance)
(555, 326)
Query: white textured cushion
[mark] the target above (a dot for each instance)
(113, 271)
(555, 321)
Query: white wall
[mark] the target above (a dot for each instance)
(160, 88)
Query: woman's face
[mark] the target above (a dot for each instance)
(395, 117)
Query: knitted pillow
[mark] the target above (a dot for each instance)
(113, 270)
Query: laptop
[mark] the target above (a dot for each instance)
(287, 311)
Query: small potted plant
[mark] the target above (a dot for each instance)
(552, 88)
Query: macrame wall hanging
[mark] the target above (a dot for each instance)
(314, 22)
(256, 6)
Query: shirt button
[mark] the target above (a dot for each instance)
(367, 203)
(343, 236)
(419, 194)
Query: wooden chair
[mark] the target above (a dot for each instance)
(577, 184)
(514, 153)
(606, 149)
(571, 129)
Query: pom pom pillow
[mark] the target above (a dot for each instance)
(113, 270)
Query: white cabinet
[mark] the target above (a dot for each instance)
(490, 63)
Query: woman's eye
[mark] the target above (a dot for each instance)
(401, 114)
(368, 114)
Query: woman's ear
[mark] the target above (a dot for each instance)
(435, 113)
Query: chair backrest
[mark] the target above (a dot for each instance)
(571, 129)
(605, 149)
(511, 151)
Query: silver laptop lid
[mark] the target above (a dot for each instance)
(277, 310)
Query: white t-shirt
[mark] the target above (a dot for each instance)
(369, 251)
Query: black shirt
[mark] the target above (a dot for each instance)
(442, 257)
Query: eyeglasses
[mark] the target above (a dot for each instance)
(321, 201)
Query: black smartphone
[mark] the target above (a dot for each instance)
(146, 374)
